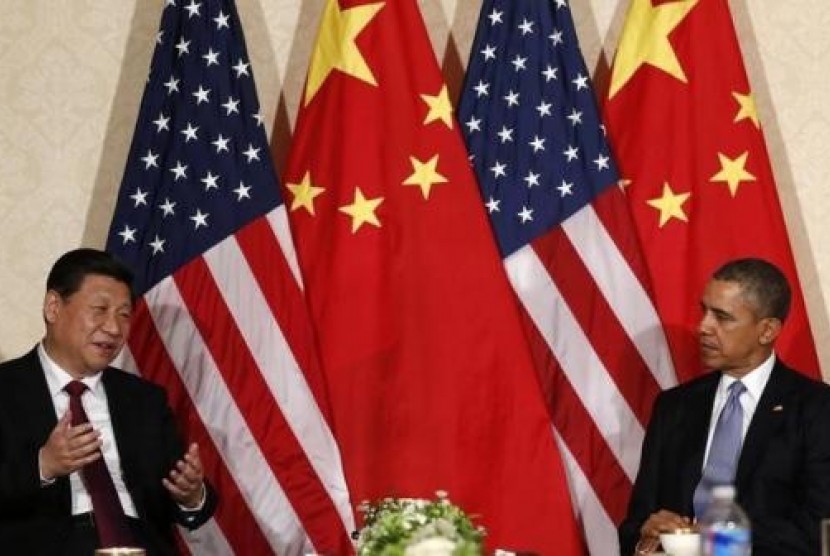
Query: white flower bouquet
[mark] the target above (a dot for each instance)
(418, 527)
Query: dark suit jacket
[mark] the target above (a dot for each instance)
(35, 519)
(783, 475)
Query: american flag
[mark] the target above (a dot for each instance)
(550, 186)
(221, 320)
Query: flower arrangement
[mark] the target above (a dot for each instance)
(418, 527)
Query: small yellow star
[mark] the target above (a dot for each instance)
(733, 172)
(304, 194)
(424, 175)
(670, 205)
(645, 40)
(362, 210)
(748, 109)
(336, 48)
(440, 107)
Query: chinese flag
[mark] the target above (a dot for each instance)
(430, 378)
(684, 126)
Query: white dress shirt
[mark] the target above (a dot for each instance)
(97, 410)
(755, 382)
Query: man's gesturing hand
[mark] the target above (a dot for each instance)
(186, 480)
(69, 448)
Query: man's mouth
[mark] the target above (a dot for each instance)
(106, 346)
(708, 347)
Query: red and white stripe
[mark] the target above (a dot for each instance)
(600, 352)
(228, 336)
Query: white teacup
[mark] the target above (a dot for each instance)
(681, 543)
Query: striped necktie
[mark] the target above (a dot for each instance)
(725, 449)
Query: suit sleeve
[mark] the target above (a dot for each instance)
(175, 451)
(643, 500)
(26, 419)
(798, 533)
(19, 472)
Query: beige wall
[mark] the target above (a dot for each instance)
(72, 73)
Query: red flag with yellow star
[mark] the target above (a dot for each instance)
(430, 378)
(685, 130)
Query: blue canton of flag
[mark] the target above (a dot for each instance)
(199, 166)
(530, 120)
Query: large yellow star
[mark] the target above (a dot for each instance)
(336, 48)
(645, 40)
(304, 194)
(670, 205)
(733, 171)
(362, 210)
(424, 175)
(748, 108)
(440, 107)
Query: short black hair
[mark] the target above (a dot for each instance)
(762, 282)
(72, 267)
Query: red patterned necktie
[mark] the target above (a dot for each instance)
(110, 521)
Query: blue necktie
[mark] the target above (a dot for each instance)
(725, 449)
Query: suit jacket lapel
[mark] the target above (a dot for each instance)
(124, 422)
(38, 411)
(765, 422)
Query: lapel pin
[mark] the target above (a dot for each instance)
(778, 408)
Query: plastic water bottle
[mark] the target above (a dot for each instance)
(725, 528)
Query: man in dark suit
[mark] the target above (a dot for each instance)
(48, 500)
(781, 471)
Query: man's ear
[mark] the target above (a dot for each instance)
(770, 329)
(52, 303)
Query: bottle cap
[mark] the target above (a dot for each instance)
(724, 492)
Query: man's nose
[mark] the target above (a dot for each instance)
(705, 324)
(111, 325)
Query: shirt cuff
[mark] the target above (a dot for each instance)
(43, 480)
(200, 505)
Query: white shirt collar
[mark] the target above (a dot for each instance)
(57, 378)
(755, 380)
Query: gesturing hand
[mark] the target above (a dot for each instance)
(186, 480)
(69, 448)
